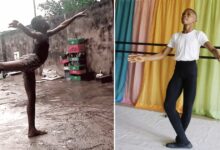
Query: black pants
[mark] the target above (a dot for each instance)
(184, 78)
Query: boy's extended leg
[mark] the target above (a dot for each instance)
(30, 87)
(17, 65)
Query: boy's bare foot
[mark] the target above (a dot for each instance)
(35, 132)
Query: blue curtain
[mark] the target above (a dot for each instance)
(123, 32)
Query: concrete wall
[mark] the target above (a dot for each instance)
(13, 41)
(97, 28)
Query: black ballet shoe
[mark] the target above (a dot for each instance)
(179, 145)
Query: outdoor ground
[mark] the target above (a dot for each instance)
(77, 115)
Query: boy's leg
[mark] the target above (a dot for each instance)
(173, 92)
(30, 87)
(17, 65)
(189, 93)
(189, 97)
(189, 86)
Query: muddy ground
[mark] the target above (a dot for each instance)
(77, 115)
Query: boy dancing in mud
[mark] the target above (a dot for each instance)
(28, 63)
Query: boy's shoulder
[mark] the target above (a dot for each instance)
(200, 33)
(197, 32)
(174, 35)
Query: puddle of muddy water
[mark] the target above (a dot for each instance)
(8, 115)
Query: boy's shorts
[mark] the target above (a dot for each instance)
(30, 62)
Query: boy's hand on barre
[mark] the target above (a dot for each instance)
(217, 55)
(135, 58)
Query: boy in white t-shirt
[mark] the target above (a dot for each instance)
(187, 44)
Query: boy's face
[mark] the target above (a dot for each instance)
(188, 17)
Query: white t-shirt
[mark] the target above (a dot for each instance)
(187, 45)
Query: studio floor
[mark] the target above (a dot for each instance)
(138, 129)
(76, 115)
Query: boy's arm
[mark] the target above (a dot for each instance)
(65, 23)
(27, 31)
(213, 50)
(158, 56)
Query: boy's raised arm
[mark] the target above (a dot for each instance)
(158, 56)
(65, 23)
(27, 31)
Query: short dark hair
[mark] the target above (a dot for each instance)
(38, 23)
(192, 10)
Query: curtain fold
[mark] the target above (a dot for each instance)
(207, 100)
(140, 33)
(124, 23)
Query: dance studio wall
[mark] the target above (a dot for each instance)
(97, 28)
(143, 85)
